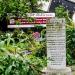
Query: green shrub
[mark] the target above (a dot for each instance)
(70, 44)
(19, 41)
(19, 65)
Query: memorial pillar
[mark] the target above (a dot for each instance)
(56, 48)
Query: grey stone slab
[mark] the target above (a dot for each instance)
(66, 71)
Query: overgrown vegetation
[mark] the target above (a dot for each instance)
(61, 12)
(20, 54)
(19, 65)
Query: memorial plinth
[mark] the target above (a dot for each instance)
(66, 71)
(56, 48)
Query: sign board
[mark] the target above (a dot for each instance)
(39, 18)
(56, 43)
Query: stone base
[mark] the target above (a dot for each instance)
(66, 71)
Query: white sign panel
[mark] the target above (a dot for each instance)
(56, 44)
(41, 15)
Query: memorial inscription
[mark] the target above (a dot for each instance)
(56, 44)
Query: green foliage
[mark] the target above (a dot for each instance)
(70, 46)
(14, 61)
(70, 34)
(43, 33)
(18, 7)
(19, 41)
(61, 12)
(18, 65)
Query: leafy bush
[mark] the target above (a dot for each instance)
(20, 54)
(70, 46)
(13, 57)
(19, 41)
(19, 65)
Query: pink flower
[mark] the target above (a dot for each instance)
(36, 35)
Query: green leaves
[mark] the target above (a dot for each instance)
(9, 39)
(19, 8)
(14, 60)
(60, 11)
(8, 70)
(2, 43)
(20, 65)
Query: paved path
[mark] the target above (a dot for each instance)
(73, 69)
(73, 73)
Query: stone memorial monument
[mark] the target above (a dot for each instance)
(56, 48)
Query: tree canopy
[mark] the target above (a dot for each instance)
(18, 7)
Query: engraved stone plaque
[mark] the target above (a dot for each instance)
(56, 43)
